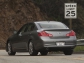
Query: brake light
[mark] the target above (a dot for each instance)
(72, 33)
(43, 33)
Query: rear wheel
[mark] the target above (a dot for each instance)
(10, 51)
(32, 50)
(68, 52)
(44, 52)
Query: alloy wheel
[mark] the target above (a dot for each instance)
(10, 51)
(30, 48)
(9, 48)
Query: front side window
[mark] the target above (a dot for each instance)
(22, 30)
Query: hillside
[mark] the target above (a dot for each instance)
(15, 13)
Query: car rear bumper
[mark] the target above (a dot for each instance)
(57, 48)
(52, 46)
(60, 46)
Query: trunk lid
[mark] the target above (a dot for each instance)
(58, 33)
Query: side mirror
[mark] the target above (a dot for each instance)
(15, 32)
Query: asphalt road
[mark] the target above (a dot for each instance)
(50, 58)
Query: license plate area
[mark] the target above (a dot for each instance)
(60, 43)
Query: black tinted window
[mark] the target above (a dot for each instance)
(30, 27)
(51, 25)
(22, 30)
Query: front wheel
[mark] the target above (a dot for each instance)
(10, 51)
(68, 52)
(32, 50)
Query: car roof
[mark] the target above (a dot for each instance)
(42, 22)
(45, 21)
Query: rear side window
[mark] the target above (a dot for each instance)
(30, 27)
(50, 25)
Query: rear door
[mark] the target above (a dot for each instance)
(28, 32)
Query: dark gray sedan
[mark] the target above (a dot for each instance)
(43, 37)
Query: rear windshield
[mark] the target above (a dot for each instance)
(54, 25)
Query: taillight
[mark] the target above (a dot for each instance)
(72, 33)
(43, 33)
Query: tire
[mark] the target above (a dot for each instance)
(44, 52)
(32, 50)
(10, 51)
(68, 52)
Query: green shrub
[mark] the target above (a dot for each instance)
(79, 49)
